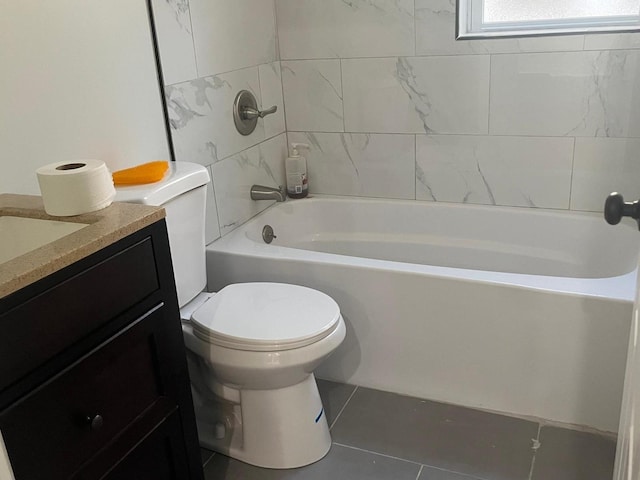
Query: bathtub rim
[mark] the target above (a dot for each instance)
(238, 242)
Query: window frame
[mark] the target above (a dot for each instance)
(470, 25)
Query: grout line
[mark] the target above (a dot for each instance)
(457, 474)
(415, 34)
(343, 407)
(415, 167)
(438, 134)
(193, 42)
(419, 472)
(215, 202)
(249, 148)
(453, 54)
(533, 464)
(279, 66)
(344, 123)
(376, 453)
(284, 105)
(573, 164)
(276, 31)
(535, 452)
(261, 103)
(489, 100)
(216, 74)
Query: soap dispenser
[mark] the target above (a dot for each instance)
(296, 170)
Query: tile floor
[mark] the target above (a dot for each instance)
(384, 436)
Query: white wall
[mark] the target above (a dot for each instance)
(78, 81)
(394, 107)
(210, 50)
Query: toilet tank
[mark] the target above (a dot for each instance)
(182, 192)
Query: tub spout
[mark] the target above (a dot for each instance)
(260, 192)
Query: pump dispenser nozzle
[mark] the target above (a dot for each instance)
(296, 146)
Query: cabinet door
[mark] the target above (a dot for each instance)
(159, 456)
(55, 430)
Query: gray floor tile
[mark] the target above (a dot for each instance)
(429, 473)
(205, 455)
(334, 395)
(570, 455)
(341, 463)
(445, 436)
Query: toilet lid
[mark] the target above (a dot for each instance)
(266, 317)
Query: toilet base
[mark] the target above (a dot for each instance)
(281, 428)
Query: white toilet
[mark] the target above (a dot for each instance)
(252, 347)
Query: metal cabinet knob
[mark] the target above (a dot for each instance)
(95, 422)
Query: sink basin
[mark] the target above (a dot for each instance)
(19, 235)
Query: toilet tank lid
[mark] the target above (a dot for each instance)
(180, 178)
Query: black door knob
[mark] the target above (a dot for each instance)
(615, 208)
(95, 422)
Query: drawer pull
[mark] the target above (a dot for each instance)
(95, 422)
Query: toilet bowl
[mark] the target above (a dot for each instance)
(251, 348)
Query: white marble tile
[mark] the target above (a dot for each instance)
(368, 165)
(516, 171)
(612, 41)
(212, 227)
(602, 166)
(342, 29)
(175, 40)
(201, 117)
(447, 94)
(436, 30)
(271, 90)
(231, 34)
(575, 94)
(313, 95)
(233, 177)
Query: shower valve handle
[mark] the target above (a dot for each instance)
(615, 208)
(250, 113)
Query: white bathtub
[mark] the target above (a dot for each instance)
(515, 310)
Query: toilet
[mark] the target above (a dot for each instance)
(251, 347)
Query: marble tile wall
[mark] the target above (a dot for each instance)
(210, 50)
(393, 106)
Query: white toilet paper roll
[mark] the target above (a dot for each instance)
(75, 187)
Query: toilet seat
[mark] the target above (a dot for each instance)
(265, 317)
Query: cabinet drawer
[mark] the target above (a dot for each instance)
(49, 435)
(158, 455)
(64, 314)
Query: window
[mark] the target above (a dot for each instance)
(503, 18)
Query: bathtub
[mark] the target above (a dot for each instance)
(514, 310)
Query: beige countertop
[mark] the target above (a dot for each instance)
(105, 227)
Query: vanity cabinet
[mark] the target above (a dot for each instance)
(93, 374)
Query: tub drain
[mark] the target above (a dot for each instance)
(267, 234)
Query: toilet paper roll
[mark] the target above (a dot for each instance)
(75, 187)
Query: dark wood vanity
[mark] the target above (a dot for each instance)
(93, 376)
